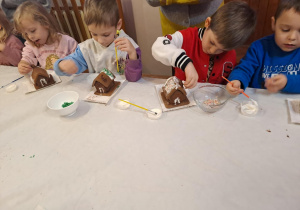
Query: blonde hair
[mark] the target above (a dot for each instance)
(6, 28)
(101, 12)
(36, 12)
(233, 23)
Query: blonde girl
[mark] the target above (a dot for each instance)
(10, 45)
(43, 36)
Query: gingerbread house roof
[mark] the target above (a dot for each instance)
(105, 77)
(37, 71)
(173, 84)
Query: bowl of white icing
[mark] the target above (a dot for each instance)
(249, 108)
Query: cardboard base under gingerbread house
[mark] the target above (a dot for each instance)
(111, 91)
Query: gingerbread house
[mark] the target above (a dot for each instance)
(104, 81)
(174, 91)
(41, 78)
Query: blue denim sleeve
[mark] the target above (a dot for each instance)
(77, 58)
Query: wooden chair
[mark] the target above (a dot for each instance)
(69, 16)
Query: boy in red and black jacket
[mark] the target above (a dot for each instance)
(206, 54)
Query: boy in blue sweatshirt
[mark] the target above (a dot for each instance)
(273, 62)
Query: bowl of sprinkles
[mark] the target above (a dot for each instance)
(211, 98)
(64, 103)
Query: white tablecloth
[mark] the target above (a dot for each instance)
(106, 158)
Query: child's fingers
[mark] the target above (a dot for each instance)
(26, 66)
(268, 82)
(190, 83)
(24, 69)
(119, 41)
(232, 89)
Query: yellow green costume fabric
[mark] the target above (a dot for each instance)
(180, 14)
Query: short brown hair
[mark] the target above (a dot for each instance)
(233, 23)
(101, 12)
(285, 5)
(6, 28)
(36, 12)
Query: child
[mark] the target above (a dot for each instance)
(205, 54)
(102, 20)
(10, 46)
(273, 62)
(44, 42)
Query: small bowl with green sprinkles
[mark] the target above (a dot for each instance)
(64, 103)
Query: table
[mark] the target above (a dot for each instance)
(106, 158)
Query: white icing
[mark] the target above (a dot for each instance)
(249, 108)
(108, 73)
(123, 105)
(177, 100)
(153, 116)
(31, 79)
(43, 81)
(172, 83)
(11, 88)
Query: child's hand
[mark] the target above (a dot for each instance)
(234, 88)
(124, 44)
(68, 66)
(2, 46)
(24, 67)
(191, 76)
(276, 83)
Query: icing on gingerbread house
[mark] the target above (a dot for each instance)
(41, 78)
(104, 81)
(173, 91)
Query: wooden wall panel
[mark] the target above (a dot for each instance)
(265, 9)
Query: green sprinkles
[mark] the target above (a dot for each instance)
(66, 104)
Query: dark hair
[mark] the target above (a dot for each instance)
(101, 12)
(233, 23)
(6, 28)
(285, 5)
(35, 11)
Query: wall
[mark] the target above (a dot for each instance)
(264, 11)
(142, 23)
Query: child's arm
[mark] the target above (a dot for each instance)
(276, 83)
(124, 44)
(284, 83)
(13, 50)
(191, 76)
(133, 63)
(2, 46)
(28, 55)
(71, 64)
(168, 51)
(24, 67)
(249, 64)
(234, 88)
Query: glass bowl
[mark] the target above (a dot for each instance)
(211, 98)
